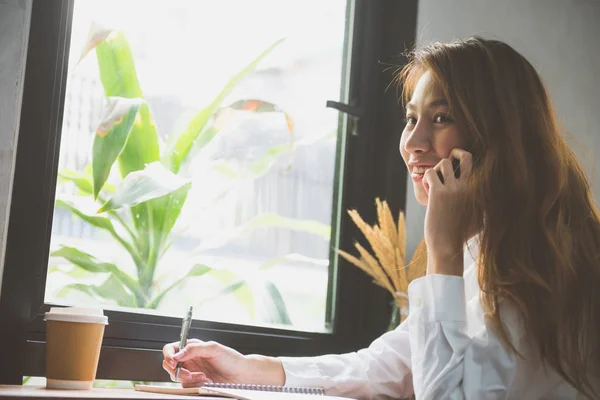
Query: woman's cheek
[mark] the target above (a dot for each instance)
(403, 153)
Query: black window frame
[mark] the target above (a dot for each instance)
(379, 30)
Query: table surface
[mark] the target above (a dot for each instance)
(40, 392)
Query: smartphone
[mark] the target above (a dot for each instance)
(455, 167)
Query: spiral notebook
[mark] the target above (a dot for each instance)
(241, 391)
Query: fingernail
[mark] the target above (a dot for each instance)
(178, 355)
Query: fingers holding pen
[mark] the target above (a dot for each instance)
(169, 363)
(169, 351)
(186, 377)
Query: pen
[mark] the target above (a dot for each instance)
(185, 331)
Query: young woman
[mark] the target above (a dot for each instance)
(513, 316)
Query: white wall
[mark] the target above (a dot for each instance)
(14, 32)
(560, 38)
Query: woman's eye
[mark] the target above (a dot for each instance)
(442, 119)
(410, 120)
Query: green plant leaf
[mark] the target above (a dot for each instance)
(267, 220)
(112, 288)
(119, 79)
(239, 288)
(94, 220)
(111, 136)
(84, 209)
(196, 270)
(160, 215)
(154, 221)
(97, 34)
(82, 181)
(140, 186)
(141, 148)
(179, 146)
(117, 67)
(276, 305)
(91, 264)
(165, 212)
(206, 136)
(242, 292)
(70, 270)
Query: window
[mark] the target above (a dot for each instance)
(251, 196)
(238, 206)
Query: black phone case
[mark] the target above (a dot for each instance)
(456, 167)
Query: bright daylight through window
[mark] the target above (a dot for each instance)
(197, 160)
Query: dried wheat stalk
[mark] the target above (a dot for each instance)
(388, 241)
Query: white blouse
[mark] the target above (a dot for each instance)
(443, 350)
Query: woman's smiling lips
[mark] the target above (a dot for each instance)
(418, 169)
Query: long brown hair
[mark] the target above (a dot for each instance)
(540, 227)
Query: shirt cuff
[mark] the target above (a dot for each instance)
(301, 372)
(438, 298)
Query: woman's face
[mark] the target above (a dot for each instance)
(430, 133)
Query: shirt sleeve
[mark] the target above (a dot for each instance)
(381, 371)
(449, 364)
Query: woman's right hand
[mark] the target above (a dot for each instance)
(212, 362)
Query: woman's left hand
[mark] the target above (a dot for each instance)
(444, 210)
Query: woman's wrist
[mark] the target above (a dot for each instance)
(451, 263)
(264, 370)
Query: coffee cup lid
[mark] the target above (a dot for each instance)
(76, 314)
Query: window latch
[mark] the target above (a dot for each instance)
(354, 114)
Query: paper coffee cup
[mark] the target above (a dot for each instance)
(73, 342)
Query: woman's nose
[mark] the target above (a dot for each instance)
(418, 140)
